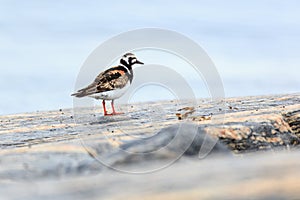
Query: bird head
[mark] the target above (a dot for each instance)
(129, 59)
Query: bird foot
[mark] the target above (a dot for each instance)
(113, 113)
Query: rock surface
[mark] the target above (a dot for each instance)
(64, 155)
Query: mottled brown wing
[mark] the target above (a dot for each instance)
(110, 79)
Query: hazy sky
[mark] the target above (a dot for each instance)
(255, 44)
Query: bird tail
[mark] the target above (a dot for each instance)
(79, 94)
(85, 91)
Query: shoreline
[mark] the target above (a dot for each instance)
(55, 152)
(146, 102)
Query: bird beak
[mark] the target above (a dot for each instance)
(139, 62)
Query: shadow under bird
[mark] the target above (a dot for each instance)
(112, 83)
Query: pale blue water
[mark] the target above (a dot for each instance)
(254, 44)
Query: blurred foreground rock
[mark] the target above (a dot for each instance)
(241, 148)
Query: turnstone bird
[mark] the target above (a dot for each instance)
(112, 83)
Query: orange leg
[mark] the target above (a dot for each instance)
(104, 108)
(113, 108)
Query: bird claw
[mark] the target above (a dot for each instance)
(113, 113)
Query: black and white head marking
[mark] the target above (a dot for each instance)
(129, 59)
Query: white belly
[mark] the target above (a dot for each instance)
(113, 94)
